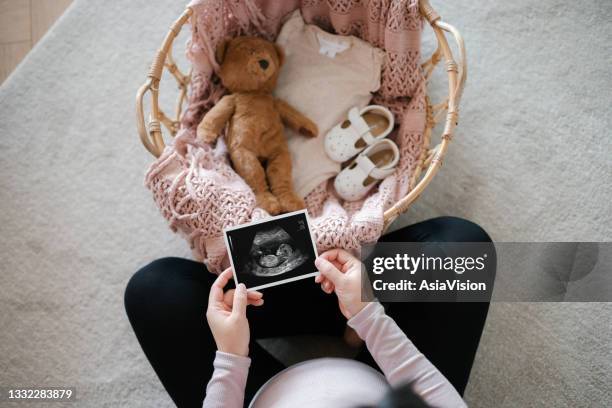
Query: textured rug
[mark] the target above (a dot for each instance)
(532, 160)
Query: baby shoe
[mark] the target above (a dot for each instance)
(362, 128)
(375, 163)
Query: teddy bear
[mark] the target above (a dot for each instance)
(249, 69)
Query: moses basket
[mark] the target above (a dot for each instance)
(196, 191)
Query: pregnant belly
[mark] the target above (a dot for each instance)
(323, 382)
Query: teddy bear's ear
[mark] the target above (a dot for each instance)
(281, 54)
(220, 51)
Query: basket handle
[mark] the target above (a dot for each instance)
(435, 20)
(457, 75)
(462, 63)
(151, 135)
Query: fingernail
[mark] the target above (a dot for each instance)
(319, 261)
(242, 287)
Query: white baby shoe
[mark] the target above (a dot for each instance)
(362, 129)
(372, 165)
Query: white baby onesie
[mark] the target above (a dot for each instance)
(324, 75)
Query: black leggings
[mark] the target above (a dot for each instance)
(166, 303)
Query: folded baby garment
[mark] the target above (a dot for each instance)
(324, 75)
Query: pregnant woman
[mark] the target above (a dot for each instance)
(220, 365)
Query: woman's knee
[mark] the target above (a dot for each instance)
(462, 230)
(168, 287)
(148, 282)
(455, 229)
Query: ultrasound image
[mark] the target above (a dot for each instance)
(274, 252)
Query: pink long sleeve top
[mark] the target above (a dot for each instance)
(335, 382)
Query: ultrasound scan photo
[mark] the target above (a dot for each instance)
(274, 251)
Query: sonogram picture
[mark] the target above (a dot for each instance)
(272, 251)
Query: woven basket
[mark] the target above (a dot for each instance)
(151, 132)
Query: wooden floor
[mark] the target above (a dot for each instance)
(22, 25)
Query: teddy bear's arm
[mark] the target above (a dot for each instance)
(295, 120)
(215, 119)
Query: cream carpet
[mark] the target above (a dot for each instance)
(532, 160)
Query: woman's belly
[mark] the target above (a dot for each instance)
(324, 382)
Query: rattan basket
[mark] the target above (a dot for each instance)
(150, 131)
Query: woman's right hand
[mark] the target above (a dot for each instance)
(341, 273)
(226, 315)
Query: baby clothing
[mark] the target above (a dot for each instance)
(323, 76)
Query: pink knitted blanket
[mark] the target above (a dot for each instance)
(200, 194)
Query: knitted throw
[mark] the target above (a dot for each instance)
(200, 194)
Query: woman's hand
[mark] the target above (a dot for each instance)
(341, 273)
(226, 315)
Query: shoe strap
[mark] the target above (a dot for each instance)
(370, 169)
(360, 126)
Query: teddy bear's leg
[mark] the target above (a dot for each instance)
(250, 169)
(281, 184)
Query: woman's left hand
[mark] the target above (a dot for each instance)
(341, 273)
(327, 285)
(226, 315)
